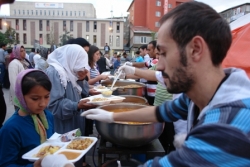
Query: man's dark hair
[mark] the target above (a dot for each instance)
(33, 50)
(70, 41)
(153, 43)
(195, 18)
(2, 45)
(143, 47)
(9, 51)
(37, 51)
(137, 52)
(81, 41)
(124, 53)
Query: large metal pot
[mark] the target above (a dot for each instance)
(134, 99)
(128, 135)
(127, 91)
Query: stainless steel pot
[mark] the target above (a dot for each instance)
(128, 135)
(134, 99)
(127, 91)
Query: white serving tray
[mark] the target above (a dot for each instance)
(30, 155)
(111, 99)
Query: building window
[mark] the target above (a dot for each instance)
(66, 13)
(17, 37)
(17, 24)
(58, 13)
(169, 6)
(158, 14)
(24, 39)
(47, 25)
(87, 37)
(94, 39)
(143, 40)
(87, 26)
(41, 13)
(118, 27)
(75, 13)
(36, 12)
(40, 39)
(158, 3)
(28, 12)
(48, 38)
(64, 25)
(40, 25)
(110, 40)
(15, 12)
(1, 24)
(157, 24)
(32, 12)
(53, 13)
(49, 12)
(71, 25)
(19, 12)
(83, 13)
(44, 12)
(79, 13)
(62, 13)
(70, 13)
(118, 40)
(24, 25)
(95, 26)
(23, 12)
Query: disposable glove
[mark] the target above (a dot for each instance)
(58, 160)
(129, 63)
(99, 114)
(127, 69)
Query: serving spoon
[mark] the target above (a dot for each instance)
(116, 78)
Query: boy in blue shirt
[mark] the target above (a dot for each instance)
(117, 63)
(138, 58)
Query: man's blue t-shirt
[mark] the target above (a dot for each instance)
(117, 64)
(139, 59)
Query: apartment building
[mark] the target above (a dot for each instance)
(144, 16)
(46, 22)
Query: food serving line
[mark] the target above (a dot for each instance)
(119, 138)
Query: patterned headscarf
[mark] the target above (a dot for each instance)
(16, 53)
(40, 125)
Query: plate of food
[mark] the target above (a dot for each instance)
(101, 88)
(97, 100)
(74, 150)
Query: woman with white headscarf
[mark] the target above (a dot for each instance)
(68, 66)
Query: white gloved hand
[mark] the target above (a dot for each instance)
(99, 114)
(128, 63)
(127, 69)
(58, 160)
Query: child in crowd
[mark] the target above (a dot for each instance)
(117, 63)
(31, 124)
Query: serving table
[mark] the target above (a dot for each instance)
(150, 150)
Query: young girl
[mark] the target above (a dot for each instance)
(31, 124)
(94, 75)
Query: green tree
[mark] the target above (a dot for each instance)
(3, 38)
(65, 37)
(10, 36)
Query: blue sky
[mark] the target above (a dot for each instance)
(119, 7)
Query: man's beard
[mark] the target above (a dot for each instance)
(181, 81)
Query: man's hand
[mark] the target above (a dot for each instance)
(127, 69)
(84, 105)
(38, 163)
(99, 114)
(94, 92)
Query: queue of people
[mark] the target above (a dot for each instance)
(214, 102)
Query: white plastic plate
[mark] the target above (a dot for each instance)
(30, 155)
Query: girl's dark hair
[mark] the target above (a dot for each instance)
(91, 52)
(36, 78)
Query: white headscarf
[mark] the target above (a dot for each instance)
(68, 60)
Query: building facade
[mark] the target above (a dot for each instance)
(39, 23)
(235, 12)
(144, 16)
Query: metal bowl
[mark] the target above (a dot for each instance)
(126, 91)
(128, 135)
(134, 99)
